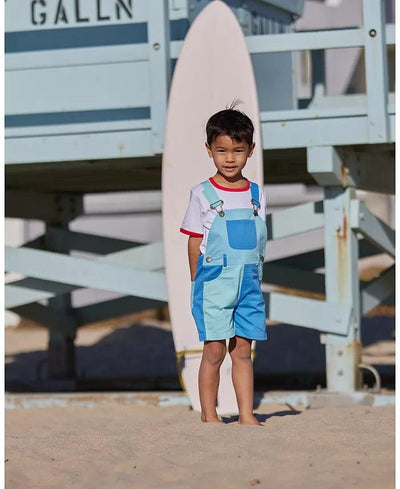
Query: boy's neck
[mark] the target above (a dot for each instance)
(238, 181)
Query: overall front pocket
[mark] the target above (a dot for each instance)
(242, 234)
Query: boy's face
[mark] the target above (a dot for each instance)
(229, 156)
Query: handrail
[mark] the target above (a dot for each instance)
(271, 43)
(304, 40)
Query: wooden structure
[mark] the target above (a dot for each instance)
(86, 98)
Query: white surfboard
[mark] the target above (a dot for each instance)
(214, 68)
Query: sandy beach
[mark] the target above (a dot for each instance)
(122, 446)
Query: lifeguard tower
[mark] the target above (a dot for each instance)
(86, 98)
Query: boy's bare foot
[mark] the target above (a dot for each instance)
(210, 419)
(252, 420)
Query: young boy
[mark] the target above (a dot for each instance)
(225, 221)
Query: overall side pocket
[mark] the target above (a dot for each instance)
(191, 294)
(260, 269)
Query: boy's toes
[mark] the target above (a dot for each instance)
(249, 420)
(210, 419)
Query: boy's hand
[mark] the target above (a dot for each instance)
(193, 252)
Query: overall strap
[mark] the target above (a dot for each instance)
(255, 193)
(209, 192)
(211, 195)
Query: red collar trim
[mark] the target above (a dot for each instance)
(229, 189)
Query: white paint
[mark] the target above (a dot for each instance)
(303, 399)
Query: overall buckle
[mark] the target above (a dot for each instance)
(214, 206)
(256, 205)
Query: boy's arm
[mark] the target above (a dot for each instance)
(194, 243)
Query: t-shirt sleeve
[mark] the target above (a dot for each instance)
(263, 204)
(191, 224)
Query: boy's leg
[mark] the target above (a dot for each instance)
(213, 355)
(243, 378)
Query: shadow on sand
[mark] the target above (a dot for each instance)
(142, 357)
(262, 417)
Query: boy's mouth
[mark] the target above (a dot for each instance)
(229, 168)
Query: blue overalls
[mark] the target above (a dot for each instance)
(226, 297)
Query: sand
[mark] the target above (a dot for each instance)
(117, 445)
(120, 446)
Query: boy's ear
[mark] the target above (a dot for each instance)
(251, 149)
(208, 149)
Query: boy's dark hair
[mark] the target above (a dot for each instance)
(230, 122)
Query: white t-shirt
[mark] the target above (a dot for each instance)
(199, 217)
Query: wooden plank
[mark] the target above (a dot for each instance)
(76, 57)
(159, 69)
(30, 290)
(328, 107)
(75, 147)
(308, 313)
(297, 41)
(83, 128)
(376, 72)
(377, 291)
(296, 219)
(319, 39)
(86, 273)
(77, 88)
(147, 257)
(114, 308)
(372, 228)
(319, 132)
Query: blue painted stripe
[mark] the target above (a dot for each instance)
(75, 37)
(178, 29)
(76, 117)
(83, 37)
